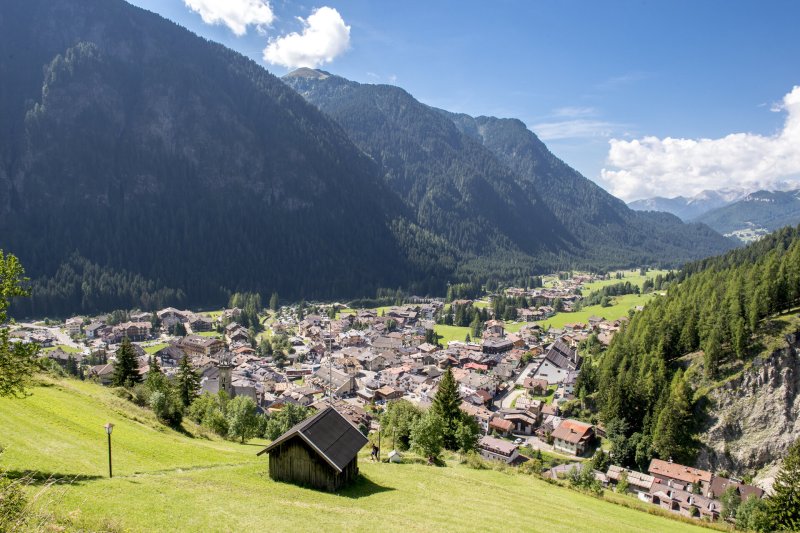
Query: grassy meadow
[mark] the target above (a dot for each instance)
(187, 481)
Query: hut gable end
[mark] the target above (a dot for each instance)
(321, 452)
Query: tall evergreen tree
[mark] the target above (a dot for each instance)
(274, 302)
(446, 404)
(17, 360)
(672, 437)
(784, 504)
(188, 382)
(126, 369)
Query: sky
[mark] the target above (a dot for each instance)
(646, 98)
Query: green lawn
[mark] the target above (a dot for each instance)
(628, 275)
(209, 334)
(618, 309)
(451, 333)
(169, 481)
(155, 347)
(64, 347)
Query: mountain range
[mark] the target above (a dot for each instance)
(689, 208)
(761, 210)
(141, 165)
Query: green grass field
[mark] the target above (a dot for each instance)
(155, 347)
(619, 308)
(628, 275)
(451, 333)
(170, 481)
(64, 348)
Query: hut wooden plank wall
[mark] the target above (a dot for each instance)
(320, 452)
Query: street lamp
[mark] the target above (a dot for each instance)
(109, 428)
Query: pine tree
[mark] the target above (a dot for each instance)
(17, 360)
(672, 437)
(446, 404)
(126, 369)
(188, 382)
(784, 504)
(273, 301)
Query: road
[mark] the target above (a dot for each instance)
(61, 337)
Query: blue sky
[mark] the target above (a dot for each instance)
(579, 73)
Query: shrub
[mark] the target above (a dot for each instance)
(167, 407)
(474, 460)
(12, 505)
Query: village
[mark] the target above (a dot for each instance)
(517, 380)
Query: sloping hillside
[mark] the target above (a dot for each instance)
(170, 481)
(765, 210)
(489, 182)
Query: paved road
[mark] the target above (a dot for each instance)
(527, 370)
(508, 399)
(60, 336)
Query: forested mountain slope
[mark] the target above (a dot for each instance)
(605, 228)
(429, 155)
(144, 148)
(655, 385)
(769, 210)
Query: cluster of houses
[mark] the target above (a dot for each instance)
(685, 490)
(365, 358)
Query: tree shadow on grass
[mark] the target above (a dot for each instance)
(39, 477)
(363, 487)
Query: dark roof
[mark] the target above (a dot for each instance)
(331, 434)
(562, 356)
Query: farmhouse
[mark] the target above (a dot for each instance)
(573, 437)
(320, 452)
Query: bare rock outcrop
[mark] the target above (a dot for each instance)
(754, 418)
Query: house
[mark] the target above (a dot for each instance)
(573, 436)
(388, 393)
(562, 356)
(73, 325)
(536, 386)
(720, 484)
(524, 422)
(638, 483)
(200, 323)
(197, 345)
(494, 328)
(684, 502)
(498, 449)
(321, 452)
(93, 330)
(681, 476)
(104, 374)
(501, 426)
(494, 345)
(340, 382)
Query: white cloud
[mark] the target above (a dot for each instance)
(669, 167)
(573, 129)
(574, 111)
(235, 14)
(324, 37)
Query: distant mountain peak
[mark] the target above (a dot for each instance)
(305, 72)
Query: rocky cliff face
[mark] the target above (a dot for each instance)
(755, 418)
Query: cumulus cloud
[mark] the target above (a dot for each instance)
(669, 167)
(324, 37)
(235, 14)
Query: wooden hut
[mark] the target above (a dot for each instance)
(320, 452)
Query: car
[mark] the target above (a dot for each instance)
(518, 441)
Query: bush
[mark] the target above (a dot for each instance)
(474, 460)
(531, 467)
(139, 394)
(167, 407)
(12, 505)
